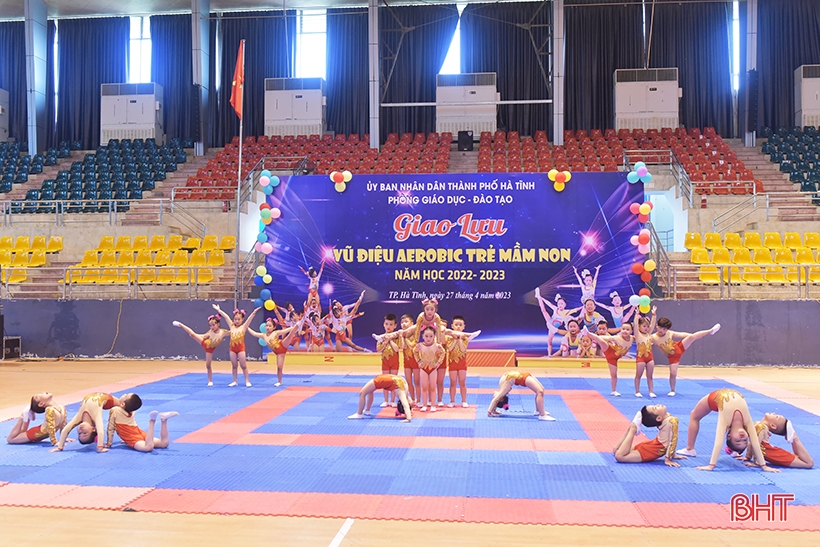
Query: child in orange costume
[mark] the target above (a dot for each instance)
(456, 343)
(615, 347)
(661, 446)
(54, 420)
(278, 342)
(411, 367)
(123, 423)
(430, 356)
(386, 382)
(775, 424)
(209, 341)
(388, 346)
(673, 344)
(238, 328)
(523, 379)
(89, 417)
(643, 327)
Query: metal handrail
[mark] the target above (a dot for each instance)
(726, 282)
(659, 255)
(736, 213)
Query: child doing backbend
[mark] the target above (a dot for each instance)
(54, 420)
(386, 382)
(522, 379)
(209, 341)
(89, 418)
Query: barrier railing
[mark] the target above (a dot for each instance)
(732, 279)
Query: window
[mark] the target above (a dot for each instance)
(139, 52)
(452, 63)
(311, 37)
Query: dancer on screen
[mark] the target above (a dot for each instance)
(620, 313)
(557, 320)
(587, 282)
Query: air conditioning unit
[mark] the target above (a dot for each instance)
(807, 95)
(646, 98)
(131, 111)
(295, 106)
(460, 90)
(4, 115)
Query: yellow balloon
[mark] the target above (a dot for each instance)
(644, 309)
(645, 208)
(559, 186)
(347, 175)
(340, 187)
(267, 278)
(270, 305)
(551, 174)
(261, 270)
(267, 221)
(568, 175)
(649, 265)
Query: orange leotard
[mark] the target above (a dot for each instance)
(613, 352)
(237, 341)
(390, 356)
(645, 351)
(36, 434)
(428, 362)
(105, 400)
(673, 350)
(664, 444)
(772, 454)
(210, 345)
(650, 450)
(409, 359)
(518, 378)
(718, 397)
(390, 382)
(456, 354)
(53, 419)
(276, 346)
(126, 427)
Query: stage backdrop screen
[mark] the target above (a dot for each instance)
(479, 243)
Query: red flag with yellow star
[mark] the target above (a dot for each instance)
(238, 86)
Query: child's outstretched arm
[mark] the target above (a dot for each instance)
(250, 317)
(224, 315)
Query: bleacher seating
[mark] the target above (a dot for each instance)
(17, 255)
(16, 166)
(797, 152)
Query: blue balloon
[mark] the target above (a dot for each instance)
(646, 178)
(638, 165)
(632, 177)
(261, 342)
(264, 294)
(274, 181)
(261, 327)
(268, 190)
(262, 238)
(258, 281)
(258, 303)
(265, 173)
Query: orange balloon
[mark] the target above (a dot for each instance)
(644, 292)
(646, 277)
(637, 268)
(643, 239)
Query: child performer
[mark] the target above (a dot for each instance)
(735, 427)
(620, 314)
(661, 446)
(89, 418)
(340, 318)
(602, 329)
(386, 382)
(673, 344)
(589, 317)
(238, 329)
(429, 317)
(54, 420)
(313, 283)
(587, 282)
(317, 332)
(278, 341)
(209, 341)
(518, 378)
(411, 367)
(644, 361)
(560, 315)
(570, 343)
(457, 341)
(429, 355)
(142, 441)
(389, 348)
(615, 347)
(775, 424)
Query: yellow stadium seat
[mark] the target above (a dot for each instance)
(814, 274)
(22, 244)
(38, 244)
(191, 243)
(210, 243)
(183, 276)
(123, 243)
(179, 258)
(143, 258)
(107, 258)
(165, 275)
(217, 258)
(792, 240)
(6, 243)
(751, 240)
(127, 259)
(712, 241)
(174, 242)
(732, 275)
(742, 256)
(804, 256)
(19, 260)
(199, 258)
(162, 258)
(146, 275)
(55, 244)
(37, 259)
(732, 241)
(204, 276)
(776, 274)
(14, 276)
(106, 243)
(140, 243)
(699, 256)
(108, 276)
(811, 240)
(709, 275)
(89, 259)
(762, 256)
(783, 255)
(771, 240)
(720, 256)
(5, 258)
(228, 243)
(157, 243)
(796, 274)
(752, 274)
(90, 277)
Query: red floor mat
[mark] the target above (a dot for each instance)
(254, 503)
(509, 511)
(421, 508)
(164, 500)
(336, 505)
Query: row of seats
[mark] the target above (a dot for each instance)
(165, 267)
(752, 240)
(26, 244)
(743, 256)
(797, 151)
(16, 166)
(142, 276)
(158, 243)
(101, 259)
(711, 275)
(22, 259)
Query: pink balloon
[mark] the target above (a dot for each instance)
(267, 248)
(642, 171)
(258, 247)
(633, 240)
(264, 181)
(643, 249)
(275, 212)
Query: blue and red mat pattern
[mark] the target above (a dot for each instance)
(292, 451)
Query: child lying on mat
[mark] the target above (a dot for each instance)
(89, 418)
(661, 446)
(126, 427)
(775, 424)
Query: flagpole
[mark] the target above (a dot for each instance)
(239, 184)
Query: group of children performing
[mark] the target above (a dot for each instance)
(90, 423)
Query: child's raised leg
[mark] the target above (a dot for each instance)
(698, 413)
(690, 338)
(613, 380)
(148, 444)
(550, 336)
(803, 459)
(164, 439)
(623, 451)
(190, 332)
